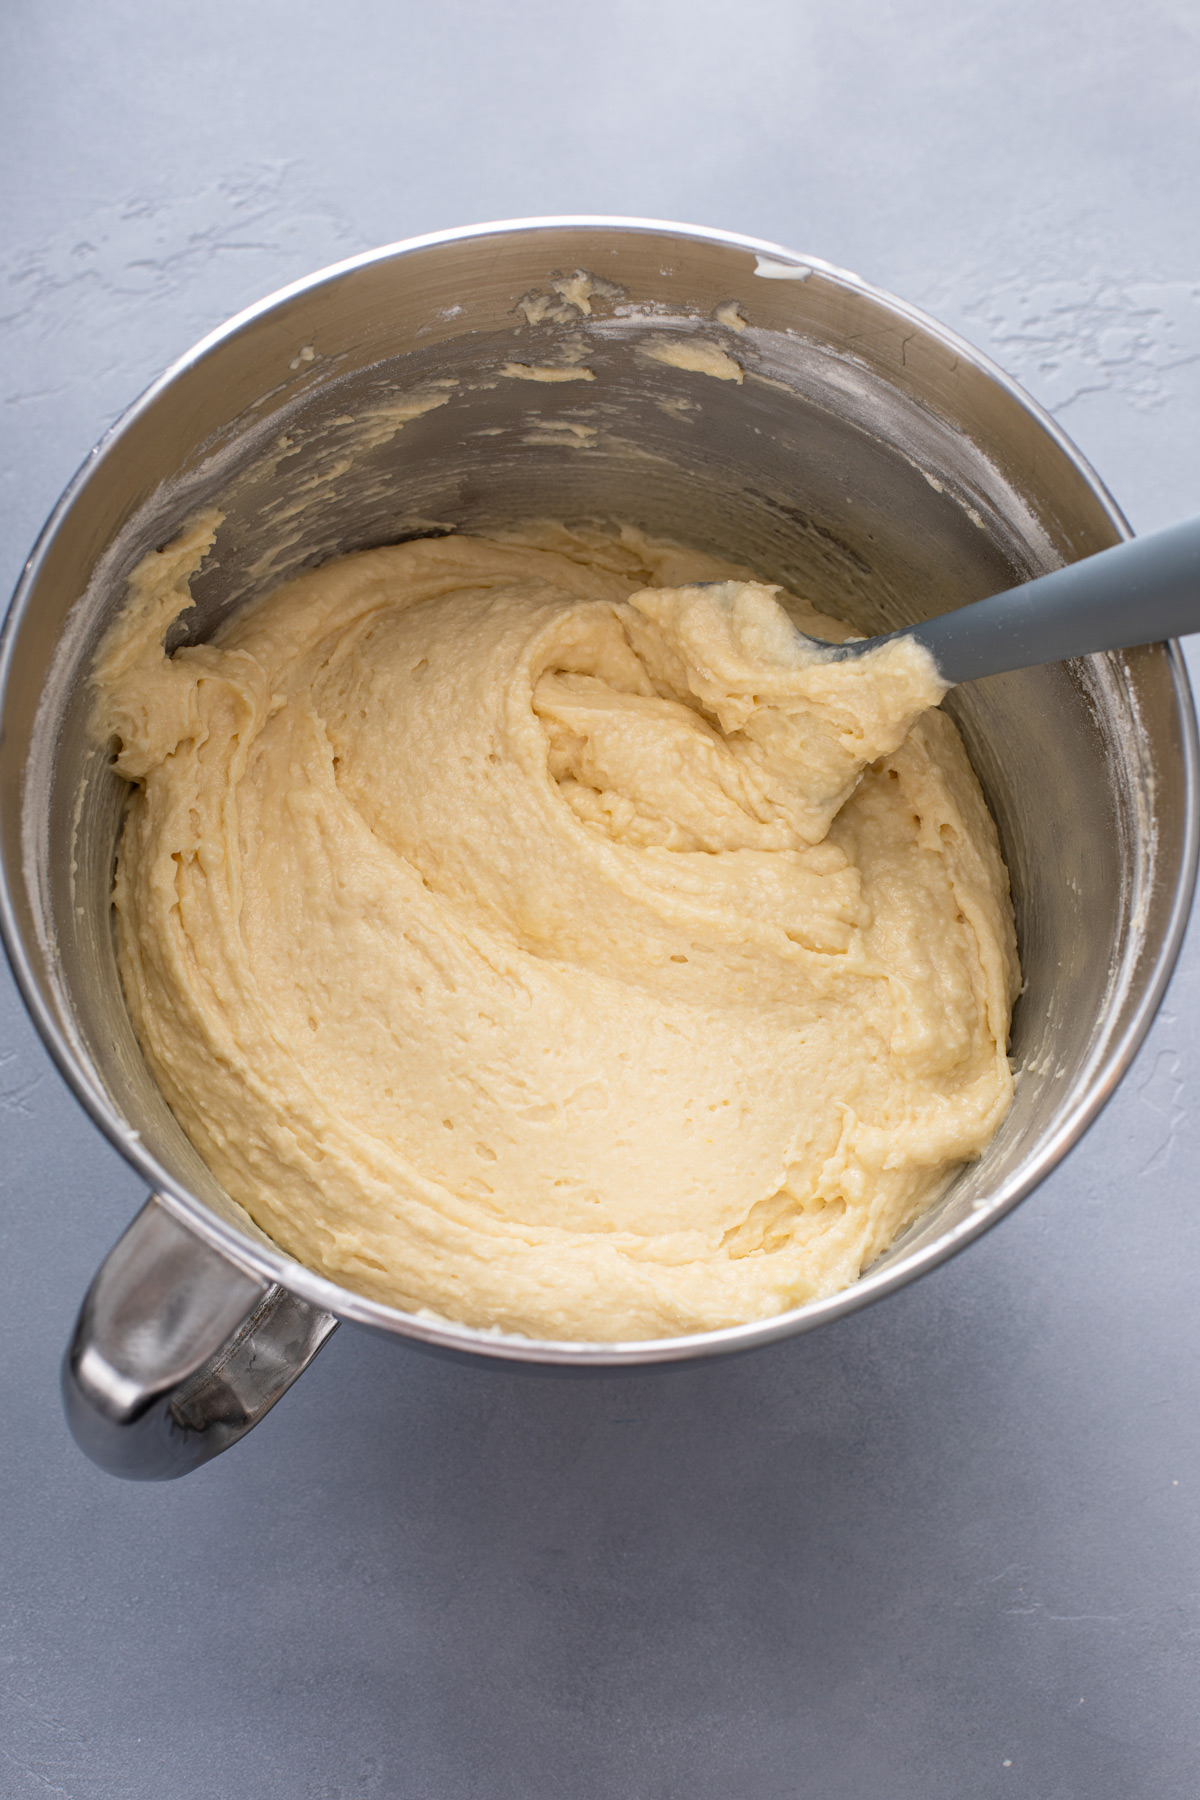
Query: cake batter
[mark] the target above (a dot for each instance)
(526, 934)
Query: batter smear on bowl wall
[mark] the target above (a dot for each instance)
(533, 931)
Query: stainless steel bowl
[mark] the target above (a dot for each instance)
(867, 452)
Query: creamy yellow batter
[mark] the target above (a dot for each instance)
(523, 934)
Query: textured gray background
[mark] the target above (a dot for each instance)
(946, 1550)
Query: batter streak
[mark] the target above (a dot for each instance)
(523, 934)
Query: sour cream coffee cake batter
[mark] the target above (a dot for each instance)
(525, 934)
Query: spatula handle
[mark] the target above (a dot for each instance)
(1136, 593)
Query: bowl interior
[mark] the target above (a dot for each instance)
(843, 447)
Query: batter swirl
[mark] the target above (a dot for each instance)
(524, 933)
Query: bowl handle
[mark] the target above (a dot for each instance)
(177, 1353)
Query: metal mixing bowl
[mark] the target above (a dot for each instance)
(868, 456)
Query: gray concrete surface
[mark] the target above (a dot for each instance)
(947, 1550)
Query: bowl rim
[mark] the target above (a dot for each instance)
(265, 1260)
